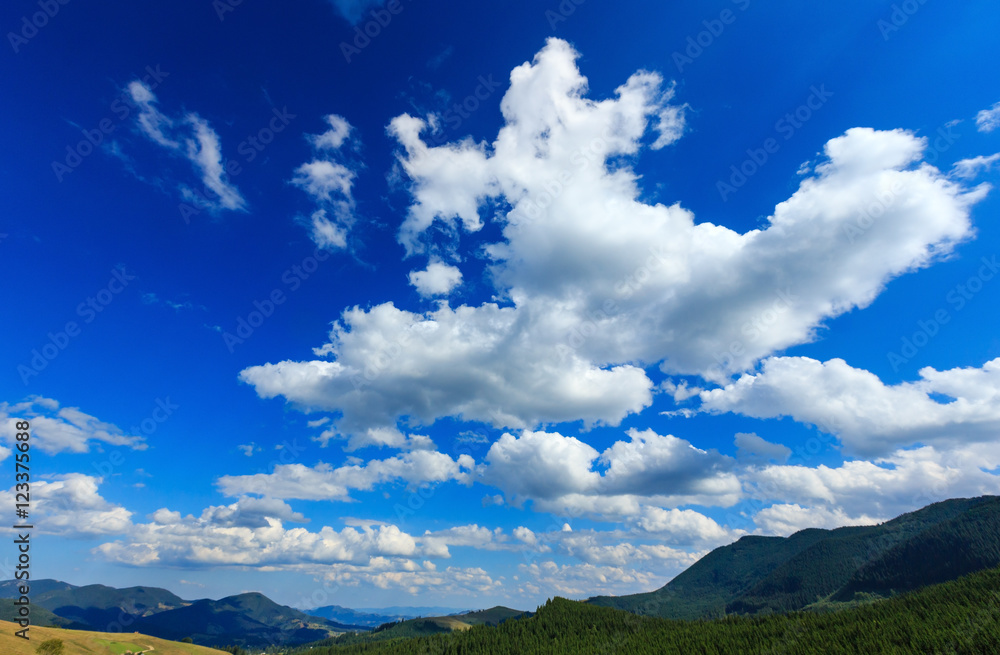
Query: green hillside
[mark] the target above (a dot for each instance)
(39, 615)
(774, 574)
(250, 619)
(967, 543)
(704, 589)
(961, 617)
(98, 606)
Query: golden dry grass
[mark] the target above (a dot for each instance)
(82, 642)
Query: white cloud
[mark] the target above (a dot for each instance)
(868, 416)
(598, 284)
(55, 430)
(988, 120)
(970, 168)
(324, 482)
(856, 491)
(388, 437)
(249, 449)
(654, 465)
(752, 449)
(330, 184)
(70, 506)
(468, 362)
(547, 578)
(194, 139)
(437, 279)
(336, 136)
(682, 526)
(540, 465)
(203, 542)
(416, 579)
(785, 519)
(558, 474)
(324, 180)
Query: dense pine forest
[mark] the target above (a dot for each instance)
(961, 617)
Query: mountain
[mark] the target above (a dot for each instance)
(778, 574)
(250, 619)
(369, 619)
(957, 617)
(373, 618)
(408, 612)
(39, 616)
(9, 588)
(247, 619)
(99, 606)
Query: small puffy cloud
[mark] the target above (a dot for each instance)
(192, 138)
(55, 430)
(330, 184)
(324, 482)
(682, 526)
(867, 415)
(541, 465)
(324, 180)
(525, 535)
(752, 449)
(988, 120)
(654, 465)
(436, 280)
(249, 449)
(335, 137)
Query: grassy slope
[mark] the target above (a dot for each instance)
(78, 642)
(39, 615)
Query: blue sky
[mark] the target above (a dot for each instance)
(464, 304)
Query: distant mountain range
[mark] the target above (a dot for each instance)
(249, 619)
(375, 617)
(819, 569)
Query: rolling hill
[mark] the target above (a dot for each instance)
(80, 642)
(779, 574)
(249, 619)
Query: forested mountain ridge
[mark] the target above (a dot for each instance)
(773, 574)
(960, 617)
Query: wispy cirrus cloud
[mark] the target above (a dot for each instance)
(191, 137)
